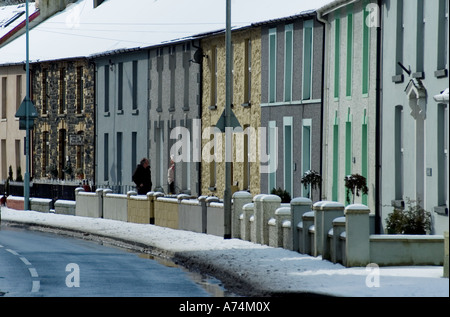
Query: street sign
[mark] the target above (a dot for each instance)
(221, 125)
(26, 105)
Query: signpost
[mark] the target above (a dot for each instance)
(26, 114)
(228, 137)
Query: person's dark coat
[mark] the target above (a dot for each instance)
(143, 179)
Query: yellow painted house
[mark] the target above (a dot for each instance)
(246, 96)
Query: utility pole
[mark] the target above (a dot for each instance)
(228, 135)
(26, 189)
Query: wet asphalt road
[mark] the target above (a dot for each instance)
(36, 264)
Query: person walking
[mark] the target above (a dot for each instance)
(171, 176)
(142, 177)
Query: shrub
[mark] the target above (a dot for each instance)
(413, 220)
(283, 194)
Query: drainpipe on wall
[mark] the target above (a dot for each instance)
(200, 112)
(322, 103)
(325, 72)
(378, 130)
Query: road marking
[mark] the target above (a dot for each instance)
(25, 261)
(33, 272)
(12, 251)
(36, 286)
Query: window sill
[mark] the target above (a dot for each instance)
(441, 73)
(398, 79)
(419, 75)
(441, 210)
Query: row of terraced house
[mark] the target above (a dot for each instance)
(353, 87)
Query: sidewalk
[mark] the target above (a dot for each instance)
(248, 268)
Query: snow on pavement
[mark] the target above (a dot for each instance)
(260, 267)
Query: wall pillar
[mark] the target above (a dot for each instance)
(299, 206)
(357, 245)
(247, 212)
(305, 242)
(240, 199)
(317, 224)
(330, 211)
(270, 203)
(257, 215)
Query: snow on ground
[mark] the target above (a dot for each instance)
(274, 270)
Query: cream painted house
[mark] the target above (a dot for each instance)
(12, 93)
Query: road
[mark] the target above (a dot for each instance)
(37, 264)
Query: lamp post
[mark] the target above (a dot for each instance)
(227, 193)
(27, 113)
(27, 140)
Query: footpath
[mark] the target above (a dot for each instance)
(246, 268)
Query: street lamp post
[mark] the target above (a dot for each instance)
(228, 136)
(27, 140)
(27, 113)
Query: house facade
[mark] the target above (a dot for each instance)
(174, 117)
(64, 132)
(414, 125)
(12, 93)
(246, 98)
(121, 117)
(291, 102)
(350, 95)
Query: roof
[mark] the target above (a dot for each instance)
(305, 14)
(12, 19)
(333, 6)
(84, 31)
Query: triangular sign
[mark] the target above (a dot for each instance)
(22, 111)
(221, 123)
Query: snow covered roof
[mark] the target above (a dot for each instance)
(12, 18)
(83, 31)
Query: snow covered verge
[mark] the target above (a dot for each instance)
(248, 268)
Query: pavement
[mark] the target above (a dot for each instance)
(245, 268)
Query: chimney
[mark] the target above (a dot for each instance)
(97, 3)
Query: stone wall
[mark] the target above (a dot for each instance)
(75, 118)
(247, 115)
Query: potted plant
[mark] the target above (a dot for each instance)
(313, 179)
(355, 184)
(52, 170)
(68, 170)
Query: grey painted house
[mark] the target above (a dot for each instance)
(291, 101)
(350, 95)
(174, 115)
(415, 125)
(121, 117)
